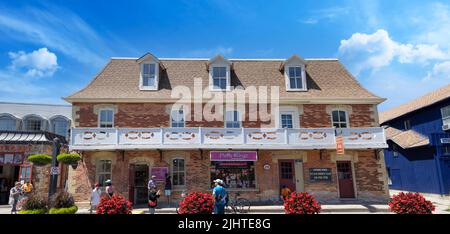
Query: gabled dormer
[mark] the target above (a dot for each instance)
(294, 69)
(149, 72)
(219, 73)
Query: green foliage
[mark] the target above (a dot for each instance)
(40, 159)
(34, 202)
(62, 199)
(67, 210)
(68, 158)
(37, 211)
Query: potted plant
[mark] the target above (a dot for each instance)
(301, 203)
(40, 159)
(410, 203)
(114, 205)
(197, 203)
(69, 159)
(33, 204)
(62, 203)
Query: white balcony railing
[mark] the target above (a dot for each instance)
(224, 138)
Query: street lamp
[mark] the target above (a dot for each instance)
(54, 169)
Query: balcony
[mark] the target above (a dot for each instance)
(224, 138)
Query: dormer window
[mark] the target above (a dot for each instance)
(149, 66)
(219, 74)
(295, 74)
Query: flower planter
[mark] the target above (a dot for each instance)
(74, 166)
(40, 159)
(37, 211)
(69, 159)
(65, 210)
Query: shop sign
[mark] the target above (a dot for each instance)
(160, 173)
(54, 171)
(339, 145)
(233, 156)
(445, 140)
(266, 167)
(320, 174)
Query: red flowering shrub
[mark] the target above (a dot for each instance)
(114, 205)
(197, 203)
(301, 203)
(410, 203)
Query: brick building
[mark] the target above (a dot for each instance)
(126, 128)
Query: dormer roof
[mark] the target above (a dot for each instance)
(293, 59)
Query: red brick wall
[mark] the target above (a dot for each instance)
(153, 115)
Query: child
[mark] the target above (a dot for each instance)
(95, 197)
(285, 191)
(153, 196)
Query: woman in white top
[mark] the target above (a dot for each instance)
(95, 197)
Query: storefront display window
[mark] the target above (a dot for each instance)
(235, 174)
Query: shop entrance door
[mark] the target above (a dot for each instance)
(345, 179)
(287, 174)
(138, 178)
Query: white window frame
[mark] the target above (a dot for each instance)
(172, 172)
(445, 119)
(407, 124)
(141, 80)
(33, 117)
(100, 114)
(303, 78)
(10, 118)
(98, 173)
(56, 119)
(286, 113)
(292, 110)
(211, 80)
(184, 119)
(346, 117)
(239, 120)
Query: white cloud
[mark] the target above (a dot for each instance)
(38, 63)
(440, 71)
(371, 51)
(328, 14)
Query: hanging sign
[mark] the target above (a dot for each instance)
(54, 171)
(160, 173)
(445, 140)
(339, 145)
(233, 156)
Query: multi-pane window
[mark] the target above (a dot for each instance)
(33, 124)
(60, 126)
(286, 121)
(25, 173)
(178, 172)
(106, 118)
(7, 123)
(295, 77)
(407, 124)
(446, 115)
(219, 76)
(103, 169)
(232, 119)
(339, 119)
(148, 74)
(177, 118)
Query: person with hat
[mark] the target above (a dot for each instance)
(14, 195)
(109, 188)
(152, 183)
(95, 197)
(220, 197)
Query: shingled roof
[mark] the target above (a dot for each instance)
(119, 80)
(416, 104)
(406, 139)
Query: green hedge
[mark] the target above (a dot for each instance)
(69, 210)
(40, 159)
(68, 158)
(38, 211)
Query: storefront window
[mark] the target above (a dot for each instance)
(25, 173)
(235, 174)
(103, 171)
(178, 172)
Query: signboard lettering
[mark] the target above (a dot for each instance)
(233, 156)
(320, 174)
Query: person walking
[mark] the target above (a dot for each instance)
(168, 188)
(153, 196)
(95, 197)
(14, 195)
(220, 197)
(109, 188)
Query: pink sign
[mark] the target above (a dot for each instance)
(233, 156)
(160, 173)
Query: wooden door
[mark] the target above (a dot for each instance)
(345, 179)
(287, 174)
(131, 183)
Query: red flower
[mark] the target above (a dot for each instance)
(114, 205)
(301, 203)
(410, 203)
(196, 203)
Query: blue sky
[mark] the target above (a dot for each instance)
(398, 50)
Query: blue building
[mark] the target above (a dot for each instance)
(418, 135)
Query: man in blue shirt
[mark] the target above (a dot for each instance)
(220, 196)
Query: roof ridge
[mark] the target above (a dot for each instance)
(235, 59)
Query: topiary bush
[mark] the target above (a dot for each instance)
(301, 203)
(33, 204)
(68, 158)
(40, 159)
(410, 203)
(197, 203)
(68, 210)
(114, 205)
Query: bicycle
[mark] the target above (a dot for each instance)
(238, 205)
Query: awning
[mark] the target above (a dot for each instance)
(406, 139)
(28, 137)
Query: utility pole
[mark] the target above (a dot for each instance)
(54, 169)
